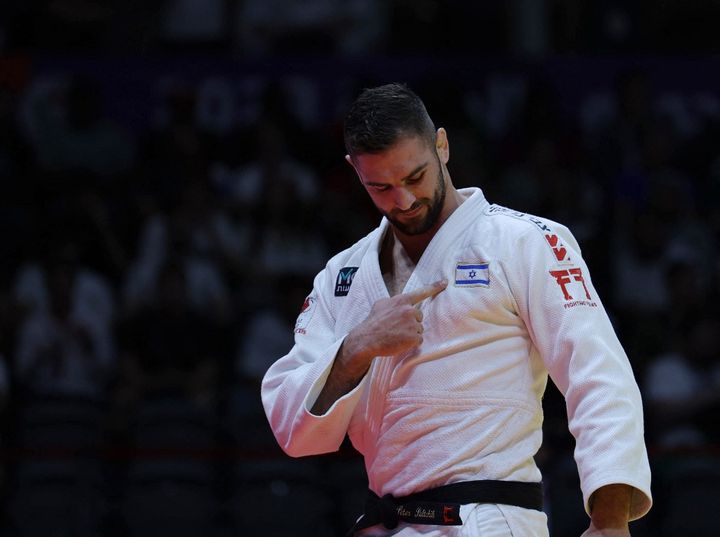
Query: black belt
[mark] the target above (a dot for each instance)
(441, 505)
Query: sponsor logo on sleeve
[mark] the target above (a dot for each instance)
(472, 274)
(573, 277)
(306, 313)
(344, 280)
(557, 247)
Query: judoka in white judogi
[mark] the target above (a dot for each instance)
(455, 395)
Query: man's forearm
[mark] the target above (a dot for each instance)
(348, 369)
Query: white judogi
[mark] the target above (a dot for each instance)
(467, 404)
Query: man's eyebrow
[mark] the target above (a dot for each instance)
(414, 172)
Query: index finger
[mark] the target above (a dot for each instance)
(426, 292)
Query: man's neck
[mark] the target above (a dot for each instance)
(395, 265)
(415, 245)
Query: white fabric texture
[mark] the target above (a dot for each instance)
(467, 404)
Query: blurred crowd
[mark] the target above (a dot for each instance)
(258, 28)
(150, 275)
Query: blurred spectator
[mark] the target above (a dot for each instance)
(198, 239)
(277, 147)
(687, 292)
(62, 281)
(175, 149)
(290, 240)
(656, 225)
(268, 333)
(639, 267)
(674, 198)
(169, 346)
(682, 387)
(284, 193)
(96, 210)
(70, 130)
(272, 165)
(65, 344)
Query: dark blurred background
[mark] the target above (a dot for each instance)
(172, 177)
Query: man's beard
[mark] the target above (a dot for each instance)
(435, 205)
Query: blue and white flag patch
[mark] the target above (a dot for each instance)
(472, 274)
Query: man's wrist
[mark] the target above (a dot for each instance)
(353, 356)
(610, 506)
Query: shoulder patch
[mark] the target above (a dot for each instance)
(344, 280)
(551, 239)
(306, 313)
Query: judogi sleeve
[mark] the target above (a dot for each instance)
(571, 329)
(292, 384)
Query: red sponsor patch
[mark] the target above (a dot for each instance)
(557, 247)
(569, 276)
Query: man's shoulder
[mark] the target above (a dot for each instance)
(519, 220)
(512, 226)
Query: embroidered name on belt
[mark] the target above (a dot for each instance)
(442, 514)
(472, 274)
(344, 280)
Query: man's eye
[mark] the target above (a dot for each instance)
(380, 188)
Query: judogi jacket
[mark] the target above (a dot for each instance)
(466, 405)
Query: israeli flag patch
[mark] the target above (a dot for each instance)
(472, 274)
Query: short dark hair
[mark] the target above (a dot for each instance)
(380, 116)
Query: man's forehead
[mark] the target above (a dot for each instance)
(400, 140)
(390, 167)
(406, 149)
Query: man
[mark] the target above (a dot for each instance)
(430, 341)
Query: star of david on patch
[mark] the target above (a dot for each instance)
(472, 274)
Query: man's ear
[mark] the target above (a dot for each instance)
(442, 146)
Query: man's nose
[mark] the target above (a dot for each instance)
(404, 198)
